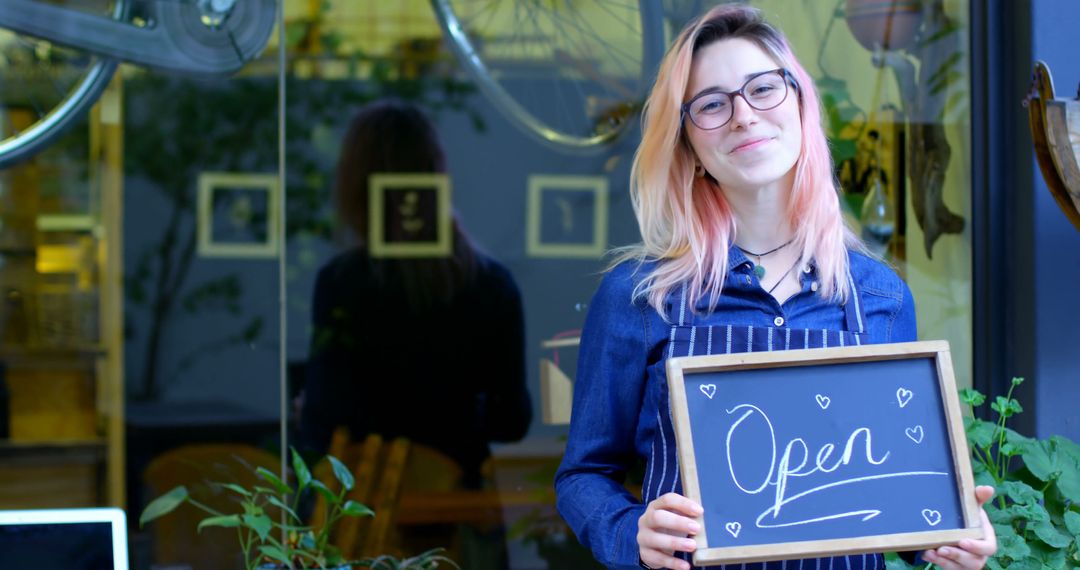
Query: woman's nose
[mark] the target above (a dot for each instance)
(742, 114)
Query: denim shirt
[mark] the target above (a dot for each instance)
(622, 356)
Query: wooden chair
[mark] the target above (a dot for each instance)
(383, 473)
(176, 541)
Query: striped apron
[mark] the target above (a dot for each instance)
(687, 339)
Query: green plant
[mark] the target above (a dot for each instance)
(272, 534)
(1036, 510)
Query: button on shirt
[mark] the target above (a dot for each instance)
(621, 359)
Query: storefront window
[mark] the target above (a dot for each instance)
(453, 173)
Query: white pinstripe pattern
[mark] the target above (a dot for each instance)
(855, 296)
(682, 307)
(663, 453)
(652, 465)
(660, 486)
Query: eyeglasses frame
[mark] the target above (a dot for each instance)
(788, 77)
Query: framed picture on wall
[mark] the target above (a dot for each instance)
(409, 215)
(567, 216)
(237, 215)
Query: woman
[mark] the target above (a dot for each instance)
(741, 225)
(431, 349)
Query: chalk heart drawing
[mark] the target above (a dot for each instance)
(734, 528)
(914, 434)
(903, 395)
(709, 390)
(932, 517)
(822, 401)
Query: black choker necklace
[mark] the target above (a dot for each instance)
(759, 269)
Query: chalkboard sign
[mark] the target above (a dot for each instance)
(817, 452)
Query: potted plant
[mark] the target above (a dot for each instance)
(271, 533)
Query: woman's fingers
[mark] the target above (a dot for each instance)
(969, 554)
(658, 560)
(677, 503)
(663, 530)
(983, 493)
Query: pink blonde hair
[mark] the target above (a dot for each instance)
(686, 224)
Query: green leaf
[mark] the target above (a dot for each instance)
(894, 562)
(164, 504)
(1010, 544)
(1049, 557)
(303, 474)
(1050, 535)
(275, 553)
(236, 489)
(1007, 407)
(259, 523)
(279, 504)
(227, 521)
(980, 433)
(1072, 522)
(1069, 459)
(325, 491)
(342, 472)
(1042, 459)
(354, 509)
(1020, 493)
(972, 397)
(273, 479)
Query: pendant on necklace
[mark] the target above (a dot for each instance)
(759, 270)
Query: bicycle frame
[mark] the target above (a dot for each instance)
(167, 42)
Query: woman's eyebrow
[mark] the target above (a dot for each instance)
(717, 89)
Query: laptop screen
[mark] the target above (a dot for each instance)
(69, 539)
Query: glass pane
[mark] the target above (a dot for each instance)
(448, 219)
(139, 248)
(899, 133)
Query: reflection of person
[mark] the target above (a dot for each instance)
(742, 232)
(430, 348)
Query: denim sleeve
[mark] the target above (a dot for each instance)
(904, 328)
(608, 394)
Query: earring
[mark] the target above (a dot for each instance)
(699, 170)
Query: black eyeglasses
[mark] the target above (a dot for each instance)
(763, 91)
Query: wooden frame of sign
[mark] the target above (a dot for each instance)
(897, 485)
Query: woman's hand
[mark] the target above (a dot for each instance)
(663, 530)
(968, 554)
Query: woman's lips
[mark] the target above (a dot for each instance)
(750, 145)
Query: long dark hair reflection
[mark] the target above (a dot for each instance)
(392, 136)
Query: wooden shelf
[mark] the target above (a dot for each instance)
(49, 357)
(15, 453)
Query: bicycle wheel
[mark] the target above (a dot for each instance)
(47, 88)
(572, 74)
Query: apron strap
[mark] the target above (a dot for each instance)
(853, 314)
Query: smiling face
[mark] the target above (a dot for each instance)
(755, 148)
